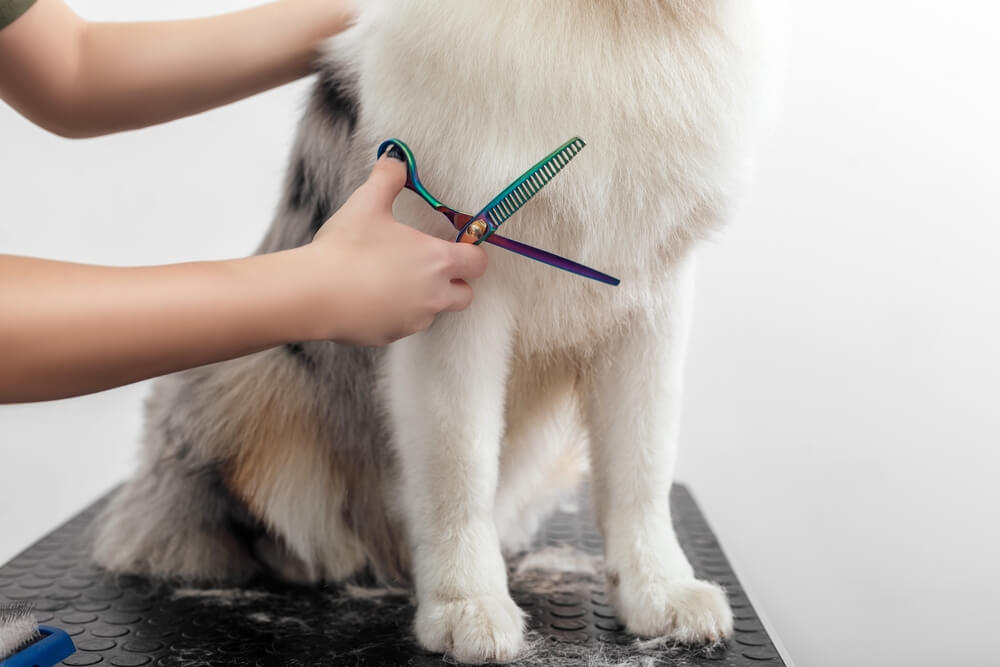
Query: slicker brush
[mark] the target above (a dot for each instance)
(25, 643)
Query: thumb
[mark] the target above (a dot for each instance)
(387, 178)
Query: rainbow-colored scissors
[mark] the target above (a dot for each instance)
(483, 225)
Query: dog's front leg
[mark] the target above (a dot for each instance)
(445, 390)
(633, 405)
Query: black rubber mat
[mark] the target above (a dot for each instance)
(130, 621)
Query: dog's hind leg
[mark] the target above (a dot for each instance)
(174, 518)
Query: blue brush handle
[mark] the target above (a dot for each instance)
(54, 647)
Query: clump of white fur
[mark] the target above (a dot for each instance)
(355, 592)
(222, 596)
(267, 619)
(562, 558)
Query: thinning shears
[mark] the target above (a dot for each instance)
(483, 225)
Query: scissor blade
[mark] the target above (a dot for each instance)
(517, 194)
(558, 262)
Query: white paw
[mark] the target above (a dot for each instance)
(474, 630)
(686, 610)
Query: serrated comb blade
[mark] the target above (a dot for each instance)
(518, 193)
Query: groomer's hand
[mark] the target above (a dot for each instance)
(382, 280)
(68, 329)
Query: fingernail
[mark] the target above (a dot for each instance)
(396, 153)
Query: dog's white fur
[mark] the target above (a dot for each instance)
(658, 90)
(491, 413)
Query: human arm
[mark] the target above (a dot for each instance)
(68, 329)
(78, 78)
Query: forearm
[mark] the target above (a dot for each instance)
(365, 279)
(83, 79)
(135, 75)
(68, 329)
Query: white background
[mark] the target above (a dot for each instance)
(842, 427)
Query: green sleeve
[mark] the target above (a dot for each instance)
(10, 10)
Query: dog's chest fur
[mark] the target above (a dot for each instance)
(481, 93)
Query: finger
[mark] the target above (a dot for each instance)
(459, 296)
(387, 179)
(468, 261)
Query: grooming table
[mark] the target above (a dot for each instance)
(131, 621)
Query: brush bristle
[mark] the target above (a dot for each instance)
(18, 629)
(534, 181)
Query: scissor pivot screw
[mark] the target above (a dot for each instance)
(477, 229)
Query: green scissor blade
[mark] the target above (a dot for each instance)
(517, 194)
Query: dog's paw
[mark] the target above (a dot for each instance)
(686, 610)
(473, 630)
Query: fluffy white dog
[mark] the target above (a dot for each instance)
(427, 459)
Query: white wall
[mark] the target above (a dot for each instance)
(841, 430)
(842, 422)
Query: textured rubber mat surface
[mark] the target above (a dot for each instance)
(130, 621)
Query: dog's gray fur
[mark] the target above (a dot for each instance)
(176, 517)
